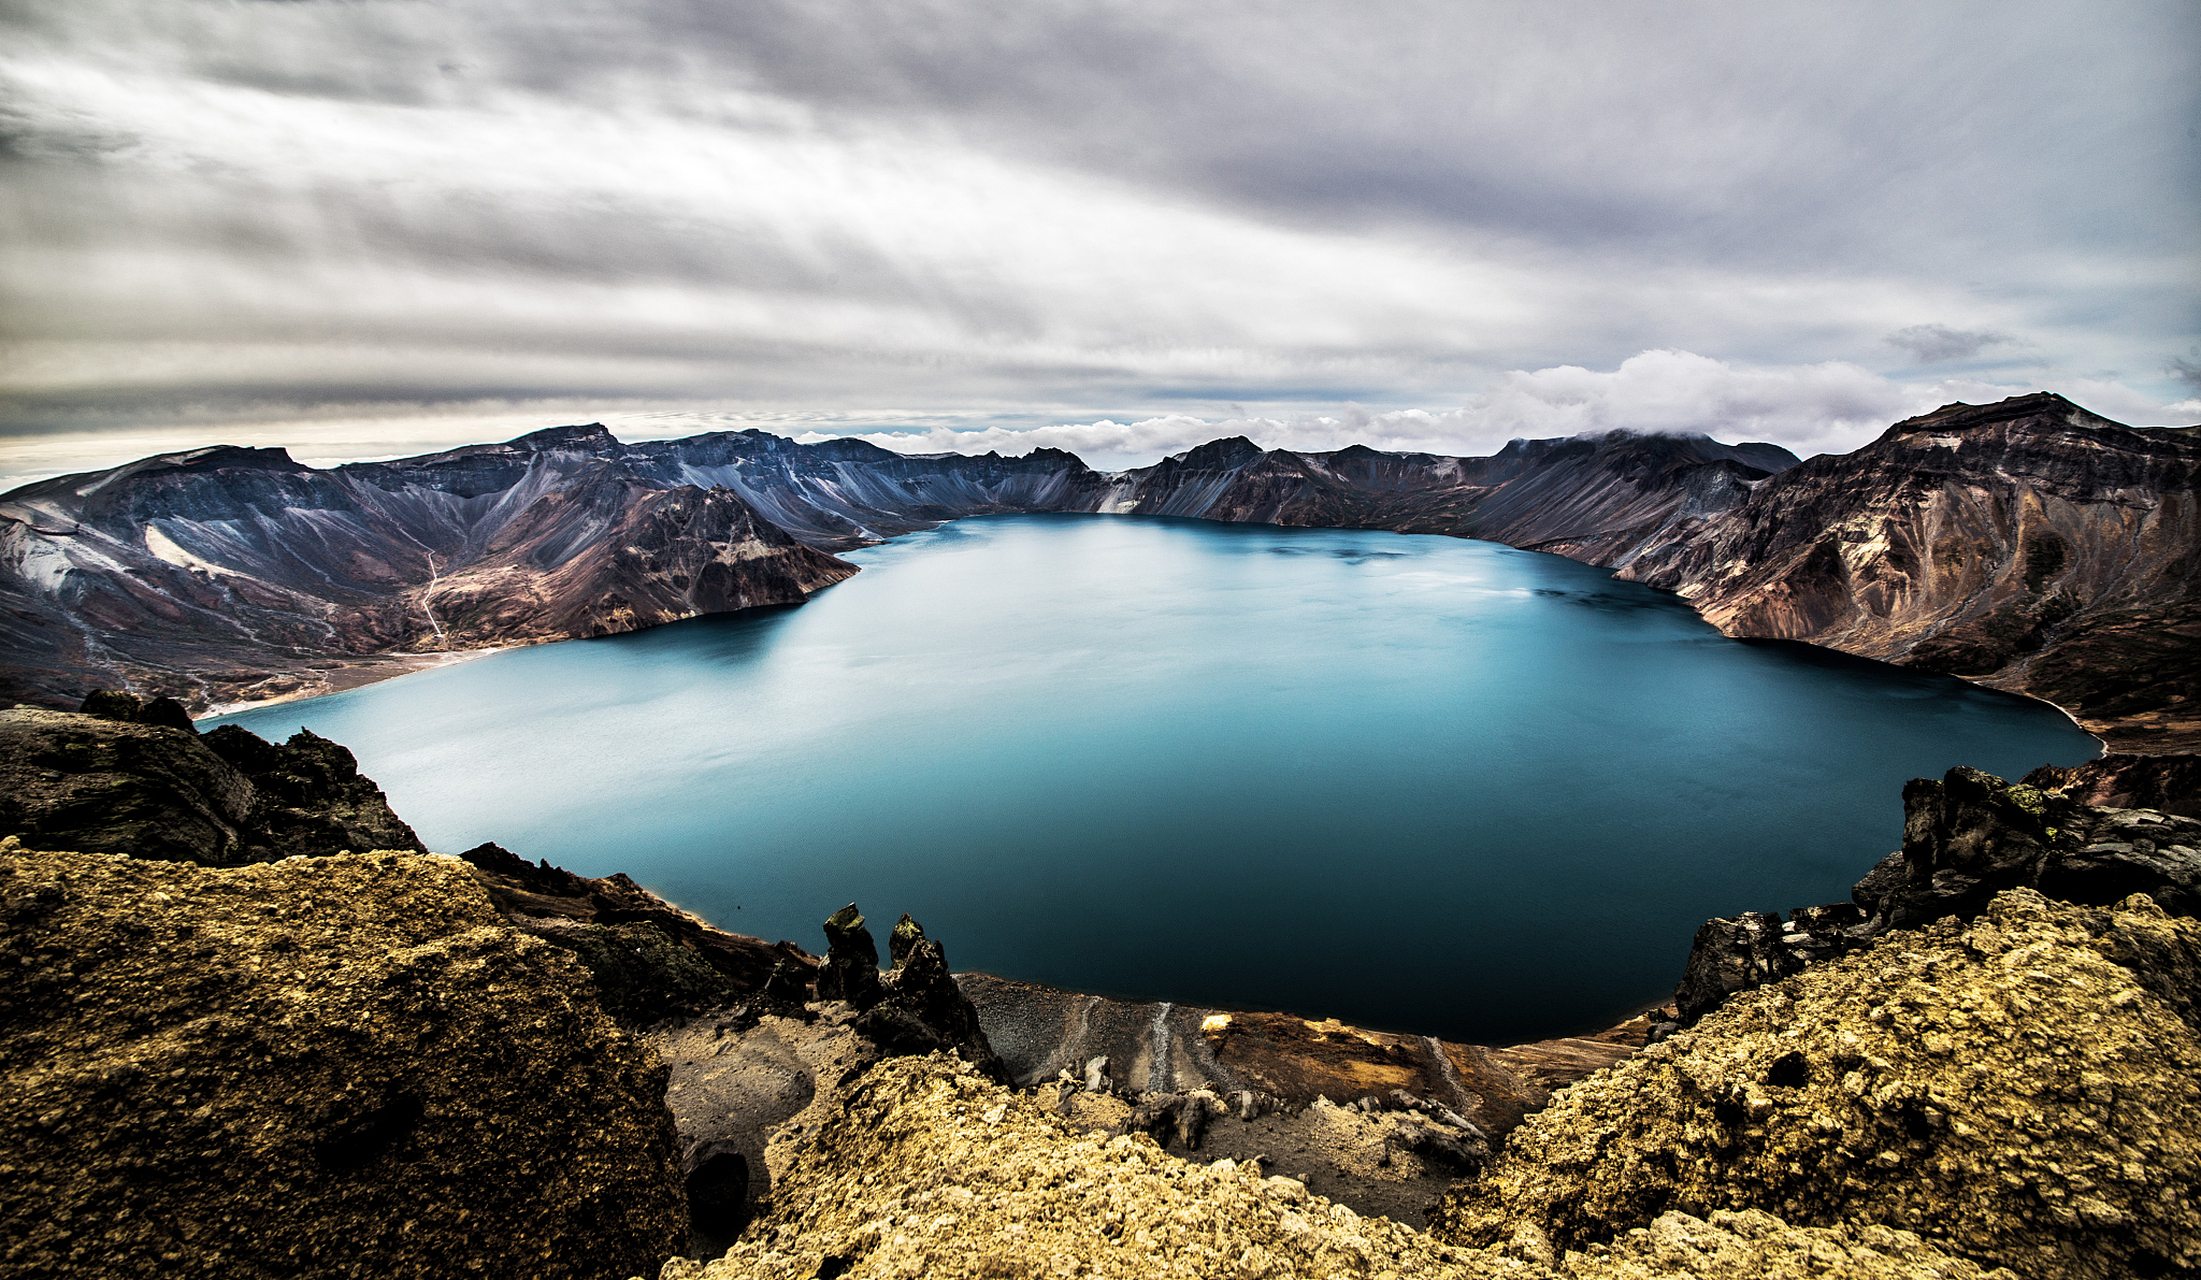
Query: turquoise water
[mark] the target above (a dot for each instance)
(1417, 783)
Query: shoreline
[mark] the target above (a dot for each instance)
(358, 675)
(2183, 737)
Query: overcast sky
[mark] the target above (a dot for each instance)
(368, 227)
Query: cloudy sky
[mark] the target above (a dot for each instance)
(361, 228)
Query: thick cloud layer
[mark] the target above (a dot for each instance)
(241, 216)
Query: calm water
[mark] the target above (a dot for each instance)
(1417, 783)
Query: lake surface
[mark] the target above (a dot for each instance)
(1417, 783)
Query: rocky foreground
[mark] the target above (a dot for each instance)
(219, 1058)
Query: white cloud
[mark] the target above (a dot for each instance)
(1823, 408)
(1136, 210)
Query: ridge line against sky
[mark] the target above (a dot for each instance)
(368, 228)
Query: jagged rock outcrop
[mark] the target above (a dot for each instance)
(1970, 835)
(106, 784)
(851, 968)
(1966, 838)
(2029, 545)
(650, 959)
(2022, 1089)
(225, 574)
(323, 1067)
(919, 1008)
(925, 1169)
(739, 1072)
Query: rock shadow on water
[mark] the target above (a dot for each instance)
(729, 639)
(1606, 601)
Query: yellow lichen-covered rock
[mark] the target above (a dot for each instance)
(345, 1066)
(2008, 1089)
(924, 1169)
(1755, 1245)
(929, 1170)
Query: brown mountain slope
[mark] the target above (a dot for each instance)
(2029, 545)
(229, 574)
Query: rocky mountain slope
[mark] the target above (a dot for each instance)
(227, 574)
(2029, 545)
(1605, 499)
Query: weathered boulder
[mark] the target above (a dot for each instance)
(74, 781)
(111, 783)
(907, 933)
(330, 1067)
(1730, 955)
(113, 704)
(309, 797)
(2023, 1089)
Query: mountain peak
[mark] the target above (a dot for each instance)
(1960, 416)
(593, 437)
(1222, 455)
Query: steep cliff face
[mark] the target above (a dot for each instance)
(2029, 545)
(1605, 499)
(224, 574)
(838, 494)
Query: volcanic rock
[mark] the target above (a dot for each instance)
(923, 1168)
(112, 704)
(342, 1066)
(2010, 1088)
(1041, 1032)
(920, 1009)
(1971, 835)
(851, 968)
(1966, 838)
(103, 784)
(650, 959)
(2121, 780)
(2028, 545)
(1731, 955)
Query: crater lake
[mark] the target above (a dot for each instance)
(1418, 783)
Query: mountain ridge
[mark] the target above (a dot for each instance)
(2029, 545)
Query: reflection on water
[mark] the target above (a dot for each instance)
(1419, 783)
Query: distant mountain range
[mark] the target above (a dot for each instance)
(2030, 545)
